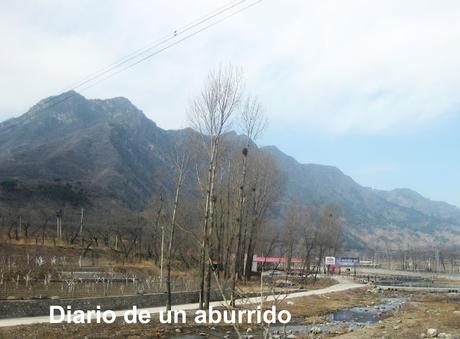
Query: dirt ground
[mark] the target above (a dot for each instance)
(427, 311)
(19, 260)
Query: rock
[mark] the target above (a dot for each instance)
(11, 298)
(54, 297)
(202, 334)
(250, 337)
(397, 327)
(422, 335)
(432, 332)
(226, 336)
(456, 312)
(292, 336)
(213, 328)
(290, 303)
(445, 335)
(315, 330)
(249, 330)
(178, 330)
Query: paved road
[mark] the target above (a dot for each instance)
(341, 286)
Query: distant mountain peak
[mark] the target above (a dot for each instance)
(73, 108)
(66, 98)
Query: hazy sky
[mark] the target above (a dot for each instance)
(372, 87)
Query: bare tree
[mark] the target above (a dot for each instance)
(329, 232)
(310, 234)
(252, 123)
(265, 183)
(180, 165)
(293, 228)
(210, 114)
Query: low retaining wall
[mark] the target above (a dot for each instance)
(420, 289)
(32, 308)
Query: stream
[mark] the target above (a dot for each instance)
(341, 321)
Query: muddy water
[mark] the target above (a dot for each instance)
(338, 322)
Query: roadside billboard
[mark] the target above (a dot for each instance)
(348, 261)
(329, 260)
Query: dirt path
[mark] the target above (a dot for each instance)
(341, 286)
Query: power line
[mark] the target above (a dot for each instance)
(170, 45)
(155, 44)
(96, 78)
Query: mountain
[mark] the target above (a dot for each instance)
(107, 153)
(107, 148)
(374, 216)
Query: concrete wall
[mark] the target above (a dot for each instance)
(32, 308)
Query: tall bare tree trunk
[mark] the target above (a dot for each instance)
(204, 255)
(211, 113)
(239, 232)
(171, 235)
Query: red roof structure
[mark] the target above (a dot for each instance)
(276, 260)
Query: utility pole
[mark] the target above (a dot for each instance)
(59, 224)
(261, 285)
(81, 221)
(158, 221)
(436, 259)
(161, 255)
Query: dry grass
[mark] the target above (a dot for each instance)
(312, 308)
(18, 261)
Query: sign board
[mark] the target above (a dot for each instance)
(348, 261)
(329, 260)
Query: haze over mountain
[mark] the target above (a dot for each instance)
(107, 153)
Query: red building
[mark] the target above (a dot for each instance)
(278, 263)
